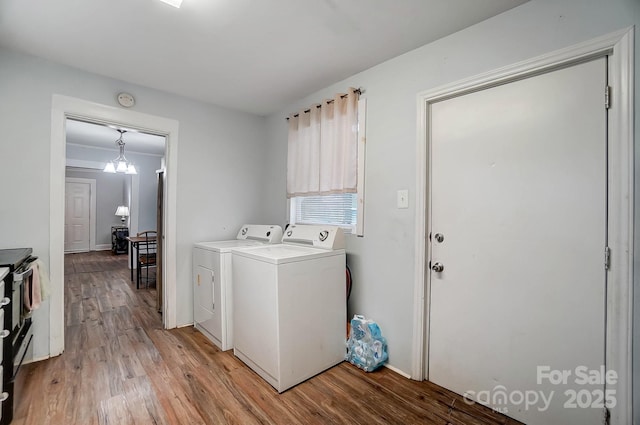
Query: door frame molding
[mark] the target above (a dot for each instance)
(619, 46)
(63, 107)
(92, 207)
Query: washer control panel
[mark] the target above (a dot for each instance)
(261, 232)
(319, 236)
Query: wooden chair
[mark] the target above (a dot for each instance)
(147, 250)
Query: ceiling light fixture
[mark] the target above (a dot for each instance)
(120, 164)
(174, 3)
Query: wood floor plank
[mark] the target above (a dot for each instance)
(143, 403)
(118, 297)
(262, 395)
(214, 401)
(172, 396)
(396, 408)
(74, 290)
(115, 411)
(90, 308)
(121, 367)
(96, 333)
(74, 314)
(379, 399)
(459, 411)
(104, 302)
(124, 320)
(350, 407)
(130, 366)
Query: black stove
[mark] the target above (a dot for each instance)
(17, 321)
(12, 258)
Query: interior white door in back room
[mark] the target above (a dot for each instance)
(518, 225)
(76, 217)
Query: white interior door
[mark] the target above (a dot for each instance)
(518, 193)
(77, 217)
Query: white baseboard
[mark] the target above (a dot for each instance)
(396, 370)
(74, 252)
(101, 247)
(186, 325)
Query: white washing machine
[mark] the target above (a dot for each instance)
(212, 287)
(289, 304)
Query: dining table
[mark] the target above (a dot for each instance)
(135, 242)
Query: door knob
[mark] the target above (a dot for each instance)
(439, 237)
(437, 267)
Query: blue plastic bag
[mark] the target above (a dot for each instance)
(366, 347)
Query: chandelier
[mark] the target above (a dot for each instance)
(120, 164)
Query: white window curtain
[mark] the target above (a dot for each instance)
(322, 153)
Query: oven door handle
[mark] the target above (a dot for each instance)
(19, 277)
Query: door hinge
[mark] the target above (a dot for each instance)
(605, 416)
(607, 258)
(607, 97)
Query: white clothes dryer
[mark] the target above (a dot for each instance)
(290, 305)
(212, 287)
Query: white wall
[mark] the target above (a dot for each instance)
(382, 262)
(220, 159)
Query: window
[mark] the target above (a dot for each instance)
(338, 210)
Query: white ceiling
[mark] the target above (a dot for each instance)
(252, 55)
(101, 136)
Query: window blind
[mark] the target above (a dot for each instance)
(337, 209)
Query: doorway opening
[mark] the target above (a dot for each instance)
(64, 108)
(88, 147)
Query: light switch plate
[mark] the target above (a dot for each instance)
(403, 198)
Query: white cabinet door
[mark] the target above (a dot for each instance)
(203, 295)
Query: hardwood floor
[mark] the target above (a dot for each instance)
(121, 367)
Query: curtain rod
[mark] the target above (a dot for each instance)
(306, 111)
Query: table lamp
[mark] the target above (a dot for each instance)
(123, 212)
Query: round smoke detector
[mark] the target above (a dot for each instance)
(126, 100)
